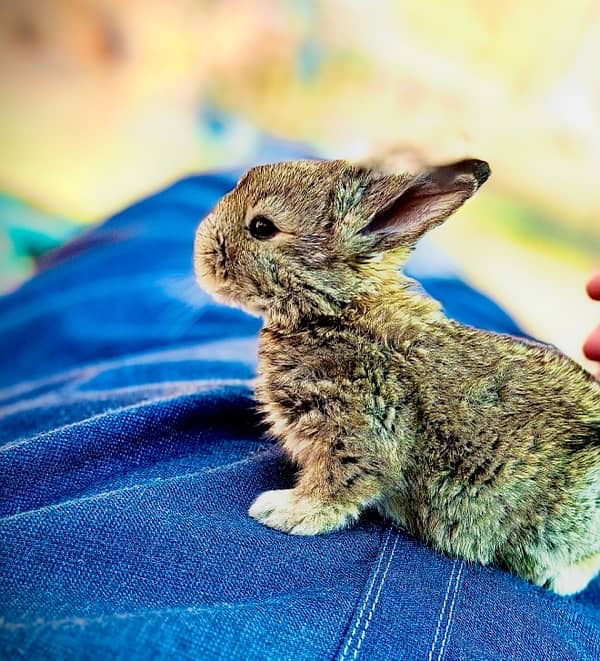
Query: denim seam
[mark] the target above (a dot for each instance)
(375, 601)
(446, 638)
(442, 613)
(365, 601)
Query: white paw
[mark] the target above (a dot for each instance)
(575, 578)
(283, 510)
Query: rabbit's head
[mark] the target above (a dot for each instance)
(303, 238)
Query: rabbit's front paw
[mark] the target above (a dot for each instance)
(286, 511)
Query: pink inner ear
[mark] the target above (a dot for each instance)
(420, 207)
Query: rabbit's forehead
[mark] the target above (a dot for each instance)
(295, 181)
(287, 193)
(275, 207)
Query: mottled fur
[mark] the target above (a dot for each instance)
(485, 447)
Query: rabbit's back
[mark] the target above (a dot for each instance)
(485, 389)
(509, 436)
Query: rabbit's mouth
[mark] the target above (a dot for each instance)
(211, 277)
(253, 305)
(225, 294)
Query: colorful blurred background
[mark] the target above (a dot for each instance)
(104, 101)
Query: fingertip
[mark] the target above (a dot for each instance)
(591, 347)
(593, 287)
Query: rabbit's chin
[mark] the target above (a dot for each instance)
(254, 305)
(223, 294)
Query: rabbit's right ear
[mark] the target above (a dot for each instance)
(399, 210)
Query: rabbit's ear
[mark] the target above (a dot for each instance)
(424, 202)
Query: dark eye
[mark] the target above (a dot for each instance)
(262, 228)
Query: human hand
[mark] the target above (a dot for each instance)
(591, 347)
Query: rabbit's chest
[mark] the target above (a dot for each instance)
(328, 387)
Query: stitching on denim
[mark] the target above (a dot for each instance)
(367, 596)
(451, 611)
(375, 601)
(442, 612)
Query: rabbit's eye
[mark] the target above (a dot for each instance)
(262, 228)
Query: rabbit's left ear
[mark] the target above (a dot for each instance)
(428, 199)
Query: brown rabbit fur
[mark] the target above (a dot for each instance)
(484, 446)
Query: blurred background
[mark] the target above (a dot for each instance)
(104, 101)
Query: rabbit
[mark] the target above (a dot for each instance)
(485, 447)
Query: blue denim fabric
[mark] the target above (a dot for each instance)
(130, 453)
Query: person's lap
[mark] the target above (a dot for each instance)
(131, 452)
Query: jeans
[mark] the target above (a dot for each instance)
(130, 453)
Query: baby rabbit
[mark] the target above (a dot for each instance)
(484, 446)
